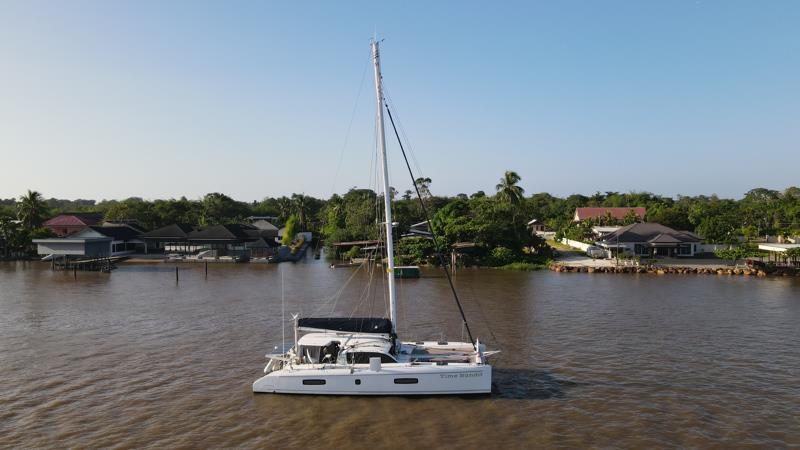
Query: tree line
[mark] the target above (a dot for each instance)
(496, 222)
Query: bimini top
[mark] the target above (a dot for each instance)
(350, 325)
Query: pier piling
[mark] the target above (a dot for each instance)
(176, 275)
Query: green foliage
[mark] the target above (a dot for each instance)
(526, 266)
(415, 250)
(352, 253)
(41, 233)
(501, 256)
(736, 253)
(218, 208)
(489, 223)
(290, 230)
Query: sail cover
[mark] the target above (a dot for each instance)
(352, 325)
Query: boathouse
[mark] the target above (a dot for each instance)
(779, 253)
(171, 238)
(94, 241)
(230, 239)
(89, 246)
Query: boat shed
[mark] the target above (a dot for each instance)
(93, 241)
(90, 246)
(228, 239)
(169, 238)
(779, 253)
(261, 248)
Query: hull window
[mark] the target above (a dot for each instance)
(406, 381)
(313, 382)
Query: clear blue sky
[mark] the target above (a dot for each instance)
(163, 99)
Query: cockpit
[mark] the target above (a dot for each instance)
(332, 348)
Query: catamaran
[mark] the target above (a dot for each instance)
(363, 356)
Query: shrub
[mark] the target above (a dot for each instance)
(289, 231)
(500, 256)
(352, 253)
(528, 266)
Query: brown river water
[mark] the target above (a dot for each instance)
(131, 359)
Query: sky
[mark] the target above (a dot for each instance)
(108, 100)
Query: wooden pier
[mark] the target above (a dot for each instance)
(100, 264)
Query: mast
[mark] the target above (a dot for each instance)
(387, 201)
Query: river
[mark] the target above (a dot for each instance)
(134, 359)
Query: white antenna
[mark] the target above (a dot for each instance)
(283, 314)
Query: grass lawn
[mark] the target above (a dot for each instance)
(559, 245)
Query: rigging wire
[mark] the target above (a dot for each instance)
(350, 125)
(442, 260)
(283, 314)
(388, 99)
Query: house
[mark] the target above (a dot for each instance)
(540, 229)
(599, 231)
(132, 223)
(582, 214)
(267, 228)
(170, 238)
(651, 239)
(69, 223)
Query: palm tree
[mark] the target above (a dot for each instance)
(31, 210)
(507, 189)
(509, 192)
(284, 207)
(300, 207)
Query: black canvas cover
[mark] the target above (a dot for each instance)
(352, 325)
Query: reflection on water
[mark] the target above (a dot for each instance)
(134, 359)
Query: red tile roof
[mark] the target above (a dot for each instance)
(619, 213)
(65, 220)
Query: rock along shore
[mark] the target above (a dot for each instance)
(777, 271)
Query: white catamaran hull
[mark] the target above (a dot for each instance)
(391, 379)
